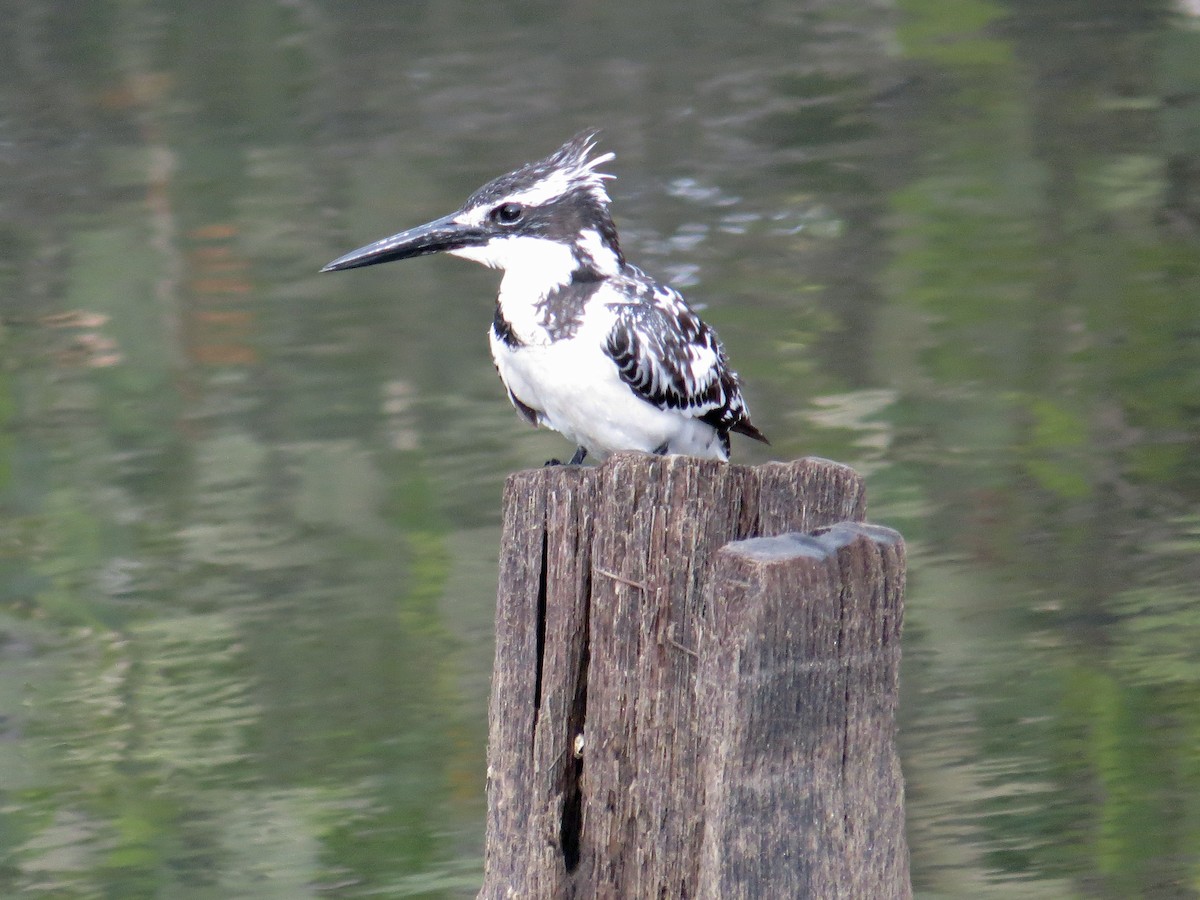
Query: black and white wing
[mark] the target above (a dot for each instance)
(669, 357)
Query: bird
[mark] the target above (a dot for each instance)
(585, 343)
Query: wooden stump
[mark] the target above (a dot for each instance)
(673, 719)
(803, 792)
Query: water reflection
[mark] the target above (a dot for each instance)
(250, 515)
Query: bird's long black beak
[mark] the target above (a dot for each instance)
(433, 237)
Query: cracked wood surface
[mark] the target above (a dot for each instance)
(621, 619)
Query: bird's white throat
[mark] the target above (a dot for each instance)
(533, 266)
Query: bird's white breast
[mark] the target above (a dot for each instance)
(575, 387)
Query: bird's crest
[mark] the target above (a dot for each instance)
(567, 170)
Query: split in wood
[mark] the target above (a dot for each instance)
(757, 762)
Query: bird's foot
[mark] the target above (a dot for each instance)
(661, 449)
(577, 459)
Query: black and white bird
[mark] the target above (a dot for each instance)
(585, 343)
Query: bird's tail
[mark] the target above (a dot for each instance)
(744, 427)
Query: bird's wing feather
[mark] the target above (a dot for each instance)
(669, 357)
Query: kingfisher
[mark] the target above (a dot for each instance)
(585, 343)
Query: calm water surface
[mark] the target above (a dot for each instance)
(249, 515)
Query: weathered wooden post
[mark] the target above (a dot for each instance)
(695, 685)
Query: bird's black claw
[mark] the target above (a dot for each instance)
(575, 460)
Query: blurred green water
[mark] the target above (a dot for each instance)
(248, 516)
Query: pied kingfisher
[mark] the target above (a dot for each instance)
(585, 343)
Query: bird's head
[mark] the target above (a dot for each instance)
(550, 216)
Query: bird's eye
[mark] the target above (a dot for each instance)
(508, 213)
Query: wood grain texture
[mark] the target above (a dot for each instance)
(605, 623)
(802, 784)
